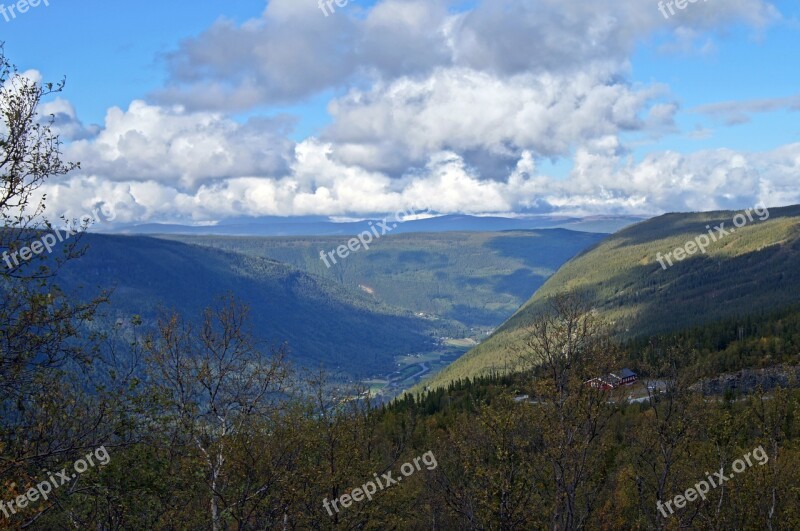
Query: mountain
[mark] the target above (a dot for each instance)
(748, 270)
(323, 323)
(475, 278)
(320, 226)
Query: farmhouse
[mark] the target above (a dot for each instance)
(614, 380)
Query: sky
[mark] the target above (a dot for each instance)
(197, 112)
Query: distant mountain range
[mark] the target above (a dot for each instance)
(751, 270)
(320, 226)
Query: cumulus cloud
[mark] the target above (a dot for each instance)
(292, 51)
(399, 125)
(170, 144)
(65, 121)
(604, 180)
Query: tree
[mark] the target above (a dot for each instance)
(565, 347)
(35, 318)
(217, 385)
(45, 337)
(661, 443)
(487, 476)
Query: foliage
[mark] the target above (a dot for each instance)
(568, 457)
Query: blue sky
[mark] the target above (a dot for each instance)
(744, 65)
(111, 52)
(362, 110)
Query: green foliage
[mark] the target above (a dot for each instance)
(753, 270)
(567, 461)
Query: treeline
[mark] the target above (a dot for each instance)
(752, 341)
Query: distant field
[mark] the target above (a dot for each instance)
(461, 342)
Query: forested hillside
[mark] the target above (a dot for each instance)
(324, 324)
(752, 269)
(477, 279)
(538, 449)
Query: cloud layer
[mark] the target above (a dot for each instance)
(435, 106)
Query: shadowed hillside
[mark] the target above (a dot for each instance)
(477, 279)
(323, 323)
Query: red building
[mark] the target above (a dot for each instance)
(614, 380)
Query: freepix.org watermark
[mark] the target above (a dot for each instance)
(42, 490)
(672, 4)
(327, 5)
(368, 489)
(49, 240)
(10, 12)
(702, 242)
(703, 487)
(375, 232)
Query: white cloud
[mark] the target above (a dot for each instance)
(172, 145)
(603, 181)
(293, 51)
(65, 120)
(399, 125)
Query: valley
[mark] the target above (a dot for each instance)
(474, 279)
(502, 265)
(462, 284)
(390, 316)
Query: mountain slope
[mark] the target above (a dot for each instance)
(752, 270)
(478, 279)
(324, 324)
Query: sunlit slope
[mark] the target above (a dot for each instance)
(757, 267)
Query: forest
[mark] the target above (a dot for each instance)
(219, 433)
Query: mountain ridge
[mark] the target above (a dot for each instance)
(318, 226)
(756, 268)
